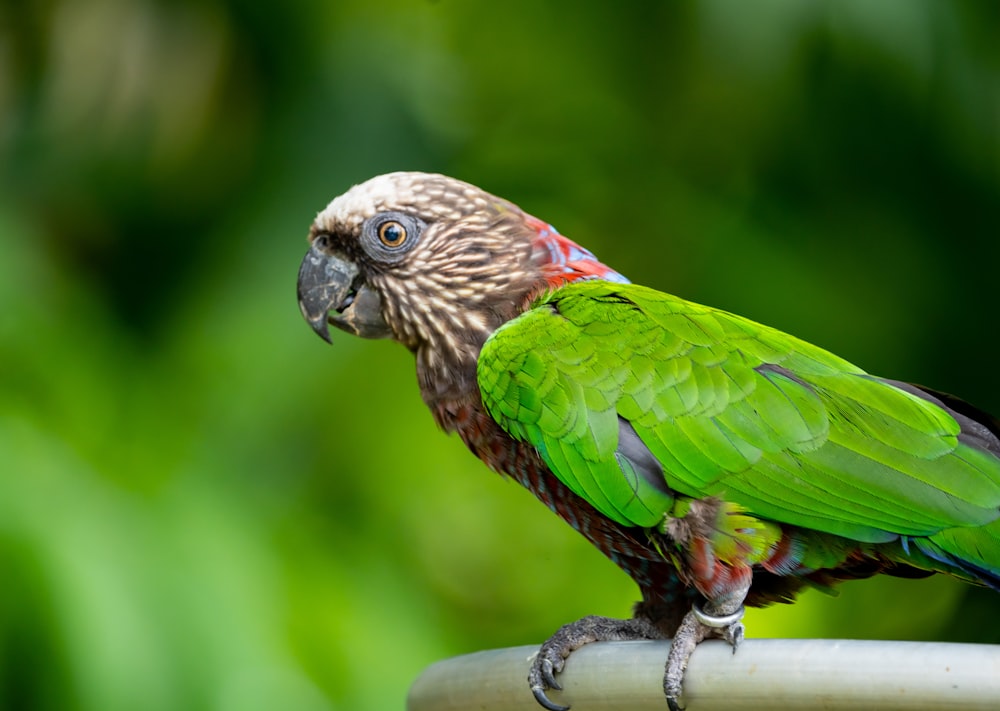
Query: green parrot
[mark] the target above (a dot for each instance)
(718, 462)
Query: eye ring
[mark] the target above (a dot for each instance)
(389, 236)
(392, 234)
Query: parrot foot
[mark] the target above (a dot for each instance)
(551, 657)
(731, 625)
(722, 619)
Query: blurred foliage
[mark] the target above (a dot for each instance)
(203, 507)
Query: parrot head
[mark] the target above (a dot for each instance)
(432, 262)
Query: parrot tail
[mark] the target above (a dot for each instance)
(971, 553)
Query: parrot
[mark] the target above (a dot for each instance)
(718, 462)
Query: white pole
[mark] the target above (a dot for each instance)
(774, 674)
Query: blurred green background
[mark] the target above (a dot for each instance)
(202, 506)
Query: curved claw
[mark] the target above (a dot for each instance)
(549, 675)
(734, 635)
(542, 699)
(551, 657)
(541, 678)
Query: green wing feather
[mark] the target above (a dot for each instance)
(730, 409)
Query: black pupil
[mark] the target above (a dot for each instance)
(393, 233)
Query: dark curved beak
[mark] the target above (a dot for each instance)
(324, 284)
(331, 291)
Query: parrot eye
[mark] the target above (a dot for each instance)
(392, 234)
(388, 236)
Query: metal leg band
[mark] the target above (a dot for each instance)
(718, 622)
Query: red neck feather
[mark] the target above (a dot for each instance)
(563, 260)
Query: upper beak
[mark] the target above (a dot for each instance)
(331, 291)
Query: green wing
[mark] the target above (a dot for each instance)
(729, 408)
